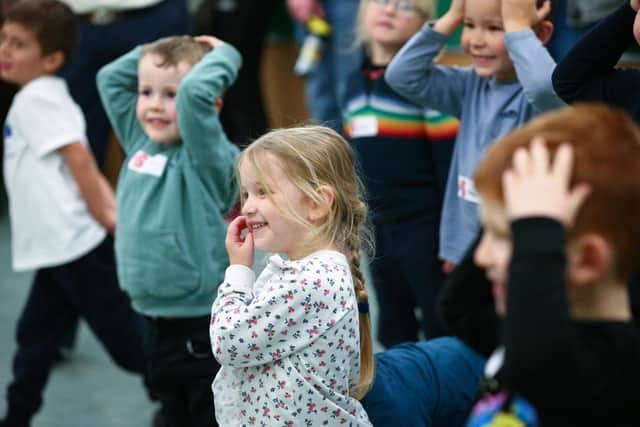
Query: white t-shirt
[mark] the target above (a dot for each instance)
(50, 222)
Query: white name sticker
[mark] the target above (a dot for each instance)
(142, 162)
(364, 126)
(467, 190)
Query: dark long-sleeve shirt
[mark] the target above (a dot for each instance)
(573, 372)
(588, 73)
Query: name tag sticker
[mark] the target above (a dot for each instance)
(142, 162)
(364, 126)
(467, 189)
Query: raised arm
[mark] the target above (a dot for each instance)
(413, 74)
(587, 72)
(93, 186)
(202, 134)
(541, 343)
(118, 89)
(526, 33)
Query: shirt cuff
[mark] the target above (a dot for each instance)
(240, 276)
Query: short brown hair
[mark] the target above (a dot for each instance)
(175, 49)
(52, 21)
(606, 147)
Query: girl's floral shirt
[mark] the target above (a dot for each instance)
(288, 344)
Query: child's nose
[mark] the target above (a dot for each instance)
(477, 38)
(248, 207)
(155, 102)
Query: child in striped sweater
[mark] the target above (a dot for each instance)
(403, 151)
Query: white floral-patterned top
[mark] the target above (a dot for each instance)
(289, 344)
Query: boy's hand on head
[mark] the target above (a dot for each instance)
(452, 19)
(240, 249)
(302, 10)
(520, 15)
(535, 186)
(210, 40)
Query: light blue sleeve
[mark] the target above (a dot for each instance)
(413, 74)
(534, 67)
(118, 89)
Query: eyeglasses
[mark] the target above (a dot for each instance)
(401, 6)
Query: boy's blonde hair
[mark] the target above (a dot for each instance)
(313, 157)
(426, 9)
(606, 147)
(176, 49)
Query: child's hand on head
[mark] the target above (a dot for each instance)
(522, 14)
(210, 40)
(535, 186)
(240, 249)
(635, 4)
(451, 20)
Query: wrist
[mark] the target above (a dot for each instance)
(516, 25)
(448, 23)
(241, 262)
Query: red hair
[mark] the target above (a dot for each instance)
(606, 147)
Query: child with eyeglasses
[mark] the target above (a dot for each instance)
(405, 189)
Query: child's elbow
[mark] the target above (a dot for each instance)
(102, 77)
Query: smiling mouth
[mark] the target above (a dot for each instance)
(482, 59)
(258, 226)
(158, 123)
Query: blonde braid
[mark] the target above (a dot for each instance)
(352, 243)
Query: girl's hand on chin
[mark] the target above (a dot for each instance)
(239, 248)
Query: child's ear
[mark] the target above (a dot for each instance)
(318, 211)
(544, 31)
(53, 61)
(590, 259)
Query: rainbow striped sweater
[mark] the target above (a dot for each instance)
(402, 150)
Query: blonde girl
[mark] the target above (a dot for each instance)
(294, 345)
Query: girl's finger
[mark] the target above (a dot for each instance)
(235, 228)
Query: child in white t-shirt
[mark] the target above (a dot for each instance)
(60, 207)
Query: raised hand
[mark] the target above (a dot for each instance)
(240, 249)
(210, 40)
(452, 19)
(302, 10)
(522, 14)
(535, 186)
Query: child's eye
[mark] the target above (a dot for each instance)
(144, 92)
(261, 192)
(468, 25)
(495, 28)
(244, 195)
(170, 94)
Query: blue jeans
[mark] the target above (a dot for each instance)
(325, 87)
(429, 383)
